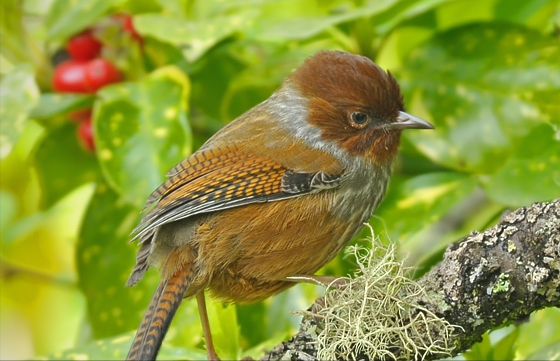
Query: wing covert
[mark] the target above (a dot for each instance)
(217, 179)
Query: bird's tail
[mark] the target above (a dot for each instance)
(158, 317)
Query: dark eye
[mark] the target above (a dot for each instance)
(359, 119)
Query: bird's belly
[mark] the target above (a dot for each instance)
(245, 254)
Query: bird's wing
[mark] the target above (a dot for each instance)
(220, 178)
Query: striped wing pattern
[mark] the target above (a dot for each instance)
(218, 179)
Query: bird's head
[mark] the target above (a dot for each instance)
(354, 103)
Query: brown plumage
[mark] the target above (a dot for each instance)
(160, 312)
(276, 193)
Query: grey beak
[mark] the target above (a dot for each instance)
(407, 121)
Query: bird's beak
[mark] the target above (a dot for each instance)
(407, 121)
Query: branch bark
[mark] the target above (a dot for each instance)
(486, 280)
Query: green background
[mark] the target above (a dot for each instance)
(486, 73)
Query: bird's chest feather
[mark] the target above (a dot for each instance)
(255, 247)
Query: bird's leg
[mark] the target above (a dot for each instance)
(210, 351)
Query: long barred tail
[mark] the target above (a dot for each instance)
(158, 317)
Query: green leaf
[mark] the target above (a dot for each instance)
(304, 27)
(421, 201)
(539, 339)
(65, 19)
(12, 34)
(141, 131)
(113, 348)
(62, 164)
(400, 11)
(225, 330)
(116, 348)
(485, 86)
(481, 350)
(178, 7)
(533, 172)
(274, 317)
(386, 15)
(104, 260)
(505, 349)
(549, 352)
(19, 94)
(526, 11)
(51, 104)
(193, 37)
(8, 209)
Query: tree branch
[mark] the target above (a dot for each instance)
(486, 280)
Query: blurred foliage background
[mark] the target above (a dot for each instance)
(485, 72)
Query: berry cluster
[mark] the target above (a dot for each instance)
(86, 71)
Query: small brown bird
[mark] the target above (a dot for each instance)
(277, 193)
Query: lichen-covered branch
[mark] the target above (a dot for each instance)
(485, 280)
(502, 275)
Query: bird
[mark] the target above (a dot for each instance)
(272, 196)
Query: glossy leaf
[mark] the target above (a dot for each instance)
(19, 94)
(481, 350)
(112, 348)
(305, 27)
(421, 201)
(12, 34)
(484, 71)
(116, 348)
(540, 339)
(225, 330)
(193, 37)
(505, 348)
(51, 104)
(535, 13)
(62, 165)
(484, 86)
(532, 173)
(274, 318)
(64, 20)
(8, 209)
(400, 11)
(105, 260)
(141, 131)
(549, 352)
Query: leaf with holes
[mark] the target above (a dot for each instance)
(485, 86)
(141, 131)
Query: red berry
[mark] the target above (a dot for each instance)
(128, 26)
(100, 72)
(83, 46)
(85, 135)
(80, 115)
(69, 77)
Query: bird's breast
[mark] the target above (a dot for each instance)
(252, 249)
(361, 192)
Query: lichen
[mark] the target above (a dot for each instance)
(502, 284)
(377, 314)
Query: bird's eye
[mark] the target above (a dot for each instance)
(359, 119)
